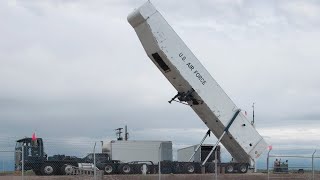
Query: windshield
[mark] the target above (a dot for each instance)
(19, 145)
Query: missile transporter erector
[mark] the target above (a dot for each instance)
(195, 85)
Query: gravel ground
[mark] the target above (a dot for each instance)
(248, 176)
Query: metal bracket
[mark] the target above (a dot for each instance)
(185, 97)
(204, 138)
(224, 132)
(174, 97)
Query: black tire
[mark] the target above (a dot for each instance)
(211, 168)
(37, 172)
(229, 168)
(125, 169)
(153, 169)
(243, 168)
(167, 167)
(48, 169)
(66, 169)
(109, 169)
(189, 168)
(177, 168)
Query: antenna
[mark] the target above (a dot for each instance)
(126, 134)
(252, 122)
(118, 133)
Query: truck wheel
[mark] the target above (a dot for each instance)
(109, 169)
(48, 169)
(66, 169)
(189, 168)
(125, 169)
(243, 168)
(229, 168)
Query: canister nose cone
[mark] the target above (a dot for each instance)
(141, 14)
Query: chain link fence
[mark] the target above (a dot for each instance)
(28, 159)
(7, 159)
(302, 163)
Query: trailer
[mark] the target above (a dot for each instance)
(196, 87)
(133, 150)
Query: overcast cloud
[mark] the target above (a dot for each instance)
(75, 69)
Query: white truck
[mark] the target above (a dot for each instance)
(196, 87)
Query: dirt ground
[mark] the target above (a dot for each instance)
(248, 176)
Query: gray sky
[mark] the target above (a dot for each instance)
(76, 69)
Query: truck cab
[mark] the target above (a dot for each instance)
(32, 151)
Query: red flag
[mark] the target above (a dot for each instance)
(34, 138)
(270, 147)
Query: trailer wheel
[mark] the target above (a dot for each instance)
(211, 168)
(48, 169)
(37, 172)
(189, 168)
(109, 169)
(229, 168)
(243, 168)
(125, 169)
(153, 169)
(66, 169)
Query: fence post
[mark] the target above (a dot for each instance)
(268, 162)
(22, 163)
(160, 148)
(313, 164)
(94, 162)
(216, 164)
